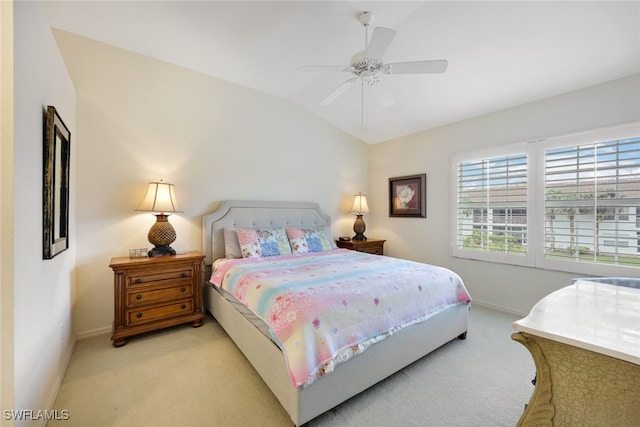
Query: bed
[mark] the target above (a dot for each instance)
(346, 379)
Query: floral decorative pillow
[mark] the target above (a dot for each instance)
(308, 240)
(263, 242)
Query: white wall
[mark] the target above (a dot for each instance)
(140, 120)
(43, 289)
(507, 287)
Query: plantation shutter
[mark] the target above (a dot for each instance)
(592, 202)
(492, 204)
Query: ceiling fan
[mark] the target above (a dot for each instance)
(367, 66)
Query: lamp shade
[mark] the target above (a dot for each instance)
(359, 204)
(160, 197)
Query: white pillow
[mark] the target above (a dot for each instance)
(231, 244)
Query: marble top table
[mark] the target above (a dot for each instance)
(599, 317)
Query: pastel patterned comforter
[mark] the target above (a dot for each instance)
(323, 308)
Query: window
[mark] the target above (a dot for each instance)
(589, 189)
(491, 206)
(569, 203)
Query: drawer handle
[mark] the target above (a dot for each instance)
(139, 315)
(183, 306)
(184, 274)
(138, 296)
(183, 289)
(138, 280)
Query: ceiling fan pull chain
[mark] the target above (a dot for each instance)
(362, 103)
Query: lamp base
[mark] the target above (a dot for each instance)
(358, 227)
(161, 235)
(162, 251)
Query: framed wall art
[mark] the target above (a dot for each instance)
(55, 197)
(408, 196)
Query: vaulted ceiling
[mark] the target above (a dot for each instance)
(500, 54)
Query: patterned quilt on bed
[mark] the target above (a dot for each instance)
(323, 308)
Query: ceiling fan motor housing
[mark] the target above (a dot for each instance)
(365, 68)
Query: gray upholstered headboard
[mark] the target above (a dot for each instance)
(256, 214)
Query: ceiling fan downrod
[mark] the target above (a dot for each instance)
(366, 18)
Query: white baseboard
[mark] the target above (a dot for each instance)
(93, 332)
(498, 308)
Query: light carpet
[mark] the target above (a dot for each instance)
(188, 376)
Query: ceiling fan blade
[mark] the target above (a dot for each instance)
(380, 41)
(417, 67)
(338, 91)
(320, 68)
(384, 95)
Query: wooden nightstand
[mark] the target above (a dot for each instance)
(155, 293)
(370, 246)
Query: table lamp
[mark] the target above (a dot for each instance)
(359, 207)
(161, 198)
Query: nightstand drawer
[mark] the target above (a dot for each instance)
(142, 278)
(374, 250)
(158, 295)
(136, 317)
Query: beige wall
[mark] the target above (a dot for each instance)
(141, 120)
(6, 207)
(507, 287)
(43, 289)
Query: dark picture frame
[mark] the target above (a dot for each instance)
(55, 196)
(408, 196)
